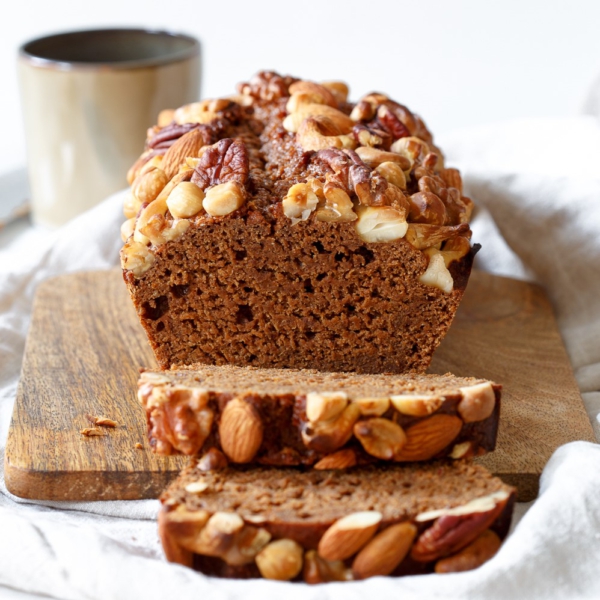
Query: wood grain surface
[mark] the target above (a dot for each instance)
(85, 347)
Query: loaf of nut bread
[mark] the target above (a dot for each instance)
(288, 227)
(306, 417)
(316, 526)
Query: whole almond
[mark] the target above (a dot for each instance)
(381, 438)
(348, 535)
(429, 437)
(385, 551)
(342, 459)
(240, 430)
(187, 145)
(471, 557)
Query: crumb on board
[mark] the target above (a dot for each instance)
(91, 431)
(139, 446)
(101, 421)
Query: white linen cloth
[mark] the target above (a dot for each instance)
(540, 184)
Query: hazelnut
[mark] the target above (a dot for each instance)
(127, 229)
(223, 199)
(280, 560)
(185, 200)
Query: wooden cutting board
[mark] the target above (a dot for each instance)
(85, 347)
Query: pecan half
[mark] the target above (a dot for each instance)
(167, 136)
(451, 533)
(391, 123)
(471, 557)
(227, 160)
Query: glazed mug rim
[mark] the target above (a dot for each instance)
(31, 53)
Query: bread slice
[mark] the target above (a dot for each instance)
(257, 236)
(323, 526)
(307, 417)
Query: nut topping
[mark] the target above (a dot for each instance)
(240, 430)
(385, 551)
(196, 487)
(148, 186)
(165, 117)
(436, 274)
(411, 147)
(227, 160)
(303, 111)
(338, 88)
(416, 406)
(461, 450)
(337, 207)
(422, 236)
(328, 436)
(212, 460)
(324, 406)
(372, 407)
(280, 560)
(223, 199)
(136, 257)
(392, 172)
(483, 504)
(185, 200)
(319, 93)
(373, 157)
(218, 534)
(452, 178)
(363, 111)
(477, 403)
(187, 145)
(299, 202)
(348, 535)
(429, 437)
(426, 207)
(452, 532)
(127, 229)
(200, 112)
(455, 249)
(342, 459)
(473, 556)
(319, 133)
(381, 438)
(248, 542)
(318, 570)
(380, 224)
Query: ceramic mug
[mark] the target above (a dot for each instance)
(88, 98)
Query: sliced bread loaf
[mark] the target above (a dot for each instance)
(293, 417)
(320, 526)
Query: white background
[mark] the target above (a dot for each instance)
(458, 63)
